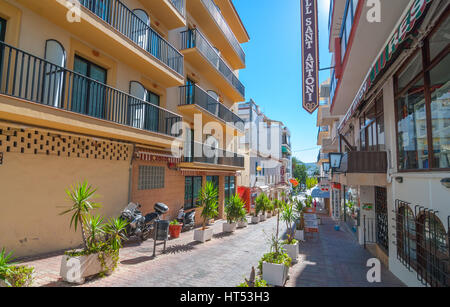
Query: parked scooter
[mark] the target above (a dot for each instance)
(141, 227)
(187, 219)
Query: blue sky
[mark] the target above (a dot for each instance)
(273, 74)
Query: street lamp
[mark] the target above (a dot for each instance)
(326, 167)
(335, 160)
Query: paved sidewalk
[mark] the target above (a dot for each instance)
(223, 262)
(335, 259)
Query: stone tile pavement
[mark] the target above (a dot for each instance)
(334, 259)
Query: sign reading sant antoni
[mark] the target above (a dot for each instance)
(310, 55)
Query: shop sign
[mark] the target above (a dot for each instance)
(310, 55)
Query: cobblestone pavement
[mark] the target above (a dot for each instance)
(332, 260)
(335, 259)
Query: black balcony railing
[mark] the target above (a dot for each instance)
(31, 78)
(192, 94)
(121, 18)
(223, 25)
(195, 39)
(179, 5)
(202, 153)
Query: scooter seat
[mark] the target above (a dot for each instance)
(151, 217)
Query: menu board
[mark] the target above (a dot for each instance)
(311, 222)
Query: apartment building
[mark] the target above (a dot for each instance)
(268, 158)
(390, 86)
(114, 92)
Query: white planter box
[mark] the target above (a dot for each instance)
(229, 227)
(76, 269)
(255, 219)
(275, 274)
(203, 235)
(242, 224)
(300, 235)
(3, 284)
(262, 217)
(292, 251)
(269, 215)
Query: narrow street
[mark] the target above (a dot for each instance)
(334, 259)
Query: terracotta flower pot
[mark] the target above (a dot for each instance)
(175, 231)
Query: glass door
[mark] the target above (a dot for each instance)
(89, 93)
(152, 114)
(215, 181)
(190, 91)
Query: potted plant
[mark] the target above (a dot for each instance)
(253, 282)
(175, 229)
(261, 205)
(274, 266)
(290, 244)
(233, 212)
(242, 220)
(208, 202)
(270, 208)
(300, 223)
(12, 275)
(101, 242)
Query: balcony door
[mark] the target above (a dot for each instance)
(101, 8)
(141, 28)
(213, 102)
(89, 91)
(53, 85)
(190, 91)
(144, 114)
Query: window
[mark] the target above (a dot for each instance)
(422, 244)
(143, 115)
(151, 177)
(423, 108)
(230, 187)
(53, 75)
(192, 187)
(101, 8)
(372, 136)
(348, 18)
(89, 93)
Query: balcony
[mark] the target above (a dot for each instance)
(202, 55)
(192, 98)
(172, 13)
(364, 162)
(202, 154)
(115, 29)
(329, 146)
(212, 22)
(324, 132)
(48, 95)
(234, 21)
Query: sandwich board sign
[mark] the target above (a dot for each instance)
(311, 223)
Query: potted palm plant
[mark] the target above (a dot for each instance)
(242, 220)
(270, 208)
(233, 212)
(274, 266)
(12, 275)
(290, 244)
(300, 223)
(175, 229)
(261, 205)
(101, 242)
(208, 202)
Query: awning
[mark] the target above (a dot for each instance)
(196, 172)
(317, 193)
(409, 22)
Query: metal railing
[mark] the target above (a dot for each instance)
(423, 243)
(195, 39)
(193, 94)
(223, 25)
(202, 153)
(121, 18)
(34, 79)
(179, 5)
(369, 231)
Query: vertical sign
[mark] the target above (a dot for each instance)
(310, 55)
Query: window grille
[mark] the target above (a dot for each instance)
(151, 177)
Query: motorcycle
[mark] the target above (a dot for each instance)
(141, 227)
(187, 219)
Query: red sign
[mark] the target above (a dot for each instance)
(310, 55)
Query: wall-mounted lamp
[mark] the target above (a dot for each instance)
(335, 160)
(326, 167)
(399, 179)
(446, 182)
